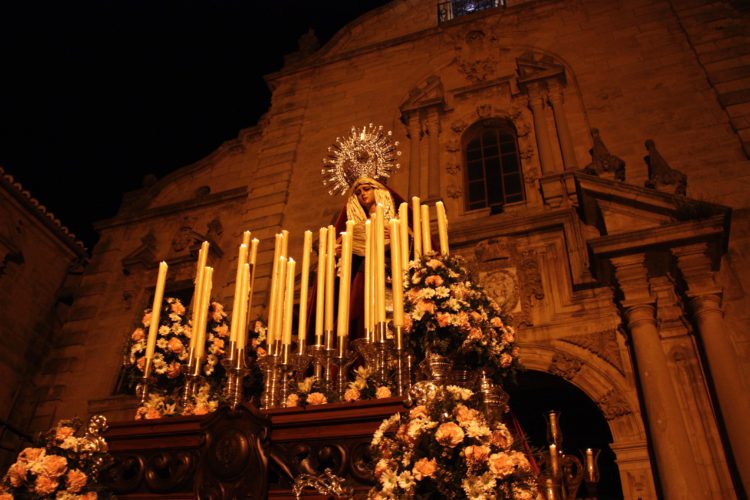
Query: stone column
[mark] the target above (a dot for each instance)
(433, 176)
(672, 452)
(415, 135)
(705, 301)
(536, 103)
(557, 101)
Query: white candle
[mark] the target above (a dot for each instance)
(201, 266)
(442, 221)
(242, 326)
(200, 342)
(238, 298)
(397, 275)
(246, 238)
(302, 326)
(416, 226)
(379, 264)
(342, 327)
(273, 294)
(280, 293)
(286, 339)
(321, 288)
(590, 470)
(285, 243)
(252, 261)
(403, 216)
(330, 280)
(426, 232)
(368, 279)
(153, 328)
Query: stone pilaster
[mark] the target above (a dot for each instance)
(557, 100)
(672, 451)
(536, 103)
(415, 136)
(705, 301)
(433, 177)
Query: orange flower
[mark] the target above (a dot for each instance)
(475, 334)
(31, 455)
(496, 322)
(175, 345)
(146, 319)
(382, 392)
(63, 432)
(407, 323)
(477, 454)
(351, 394)
(76, 480)
(45, 485)
(54, 466)
(17, 474)
(426, 306)
(433, 281)
(177, 307)
(174, 369)
(292, 400)
(141, 363)
(464, 414)
(443, 319)
(501, 438)
(424, 468)
(505, 360)
(6, 496)
(419, 412)
(138, 334)
(476, 317)
(201, 409)
(151, 414)
(221, 330)
(449, 434)
(501, 464)
(434, 264)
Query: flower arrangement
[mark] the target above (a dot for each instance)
(65, 464)
(171, 357)
(309, 392)
(364, 387)
(445, 448)
(448, 314)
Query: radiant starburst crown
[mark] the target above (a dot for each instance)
(366, 152)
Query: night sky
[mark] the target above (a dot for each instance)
(94, 95)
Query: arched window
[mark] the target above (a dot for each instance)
(492, 166)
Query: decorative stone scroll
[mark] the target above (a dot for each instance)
(565, 366)
(614, 405)
(603, 344)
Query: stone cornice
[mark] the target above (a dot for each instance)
(211, 199)
(668, 235)
(41, 214)
(473, 230)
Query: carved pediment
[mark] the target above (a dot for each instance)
(143, 257)
(430, 93)
(616, 207)
(535, 67)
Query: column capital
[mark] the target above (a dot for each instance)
(706, 303)
(414, 125)
(556, 92)
(694, 262)
(632, 278)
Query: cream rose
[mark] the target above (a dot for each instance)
(501, 464)
(175, 345)
(419, 412)
(433, 281)
(316, 398)
(292, 400)
(17, 474)
(449, 434)
(54, 466)
(177, 307)
(477, 454)
(351, 394)
(138, 335)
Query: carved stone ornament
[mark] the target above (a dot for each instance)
(452, 146)
(660, 175)
(603, 163)
(502, 285)
(454, 192)
(184, 237)
(453, 169)
(477, 55)
(603, 344)
(565, 366)
(143, 257)
(484, 111)
(614, 405)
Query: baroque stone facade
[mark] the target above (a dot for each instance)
(615, 287)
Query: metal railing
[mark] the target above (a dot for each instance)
(457, 8)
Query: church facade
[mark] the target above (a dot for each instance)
(593, 160)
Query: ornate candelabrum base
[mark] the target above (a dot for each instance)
(343, 360)
(315, 352)
(268, 364)
(403, 362)
(324, 357)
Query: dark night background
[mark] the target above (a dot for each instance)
(96, 94)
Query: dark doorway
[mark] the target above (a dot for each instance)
(582, 423)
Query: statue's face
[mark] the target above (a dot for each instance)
(366, 196)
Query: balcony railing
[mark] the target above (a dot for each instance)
(457, 8)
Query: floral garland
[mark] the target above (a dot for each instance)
(448, 314)
(64, 465)
(364, 387)
(444, 448)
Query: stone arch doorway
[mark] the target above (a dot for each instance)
(583, 425)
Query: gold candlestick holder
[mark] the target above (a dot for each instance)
(229, 361)
(192, 377)
(315, 352)
(301, 362)
(236, 379)
(591, 474)
(268, 364)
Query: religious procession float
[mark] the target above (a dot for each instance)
(387, 384)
